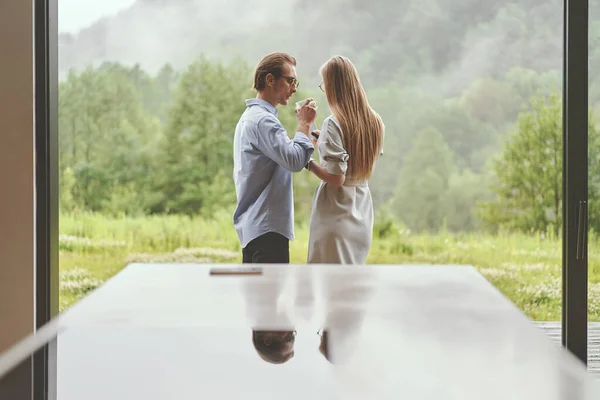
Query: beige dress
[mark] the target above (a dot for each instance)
(341, 221)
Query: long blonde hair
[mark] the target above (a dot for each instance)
(362, 127)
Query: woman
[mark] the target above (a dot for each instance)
(350, 141)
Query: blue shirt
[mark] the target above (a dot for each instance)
(264, 158)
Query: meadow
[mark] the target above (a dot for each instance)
(526, 269)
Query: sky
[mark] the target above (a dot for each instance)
(74, 15)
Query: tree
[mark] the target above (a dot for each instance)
(155, 92)
(529, 173)
(405, 111)
(466, 190)
(164, 84)
(526, 83)
(424, 180)
(67, 182)
(106, 138)
(196, 161)
(491, 101)
(466, 136)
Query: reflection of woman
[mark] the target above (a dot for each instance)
(341, 332)
(341, 223)
(348, 294)
(324, 345)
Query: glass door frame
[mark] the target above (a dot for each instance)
(575, 178)
(45, 37)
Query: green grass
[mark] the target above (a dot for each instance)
(526, 269)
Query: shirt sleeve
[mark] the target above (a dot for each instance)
(274, 142)
(331, 148)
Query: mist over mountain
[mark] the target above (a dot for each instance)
(437, 45)
(155, 32)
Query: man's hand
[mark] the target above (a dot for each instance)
(306, 115)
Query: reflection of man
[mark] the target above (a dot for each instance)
(273, 334)
(276, 347)
(264, 159)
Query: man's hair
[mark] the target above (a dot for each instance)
(271, 64)
(274, 353)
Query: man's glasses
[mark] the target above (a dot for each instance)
(292, 81)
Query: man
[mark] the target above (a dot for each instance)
(264, 158)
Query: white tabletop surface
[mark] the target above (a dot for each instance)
(172, 331)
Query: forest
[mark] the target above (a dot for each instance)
(473, 136)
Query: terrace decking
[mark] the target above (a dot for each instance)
(554, 329)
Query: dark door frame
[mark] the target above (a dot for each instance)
(46, 189)
(575, 178)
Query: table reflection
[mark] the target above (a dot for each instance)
(279, 301)
(318, 332)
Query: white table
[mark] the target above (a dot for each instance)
(171, 331)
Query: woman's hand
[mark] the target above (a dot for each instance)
(322, 174)
(315, 136)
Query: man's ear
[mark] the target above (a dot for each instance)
(270, 79)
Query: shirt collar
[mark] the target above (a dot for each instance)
(265, 104)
